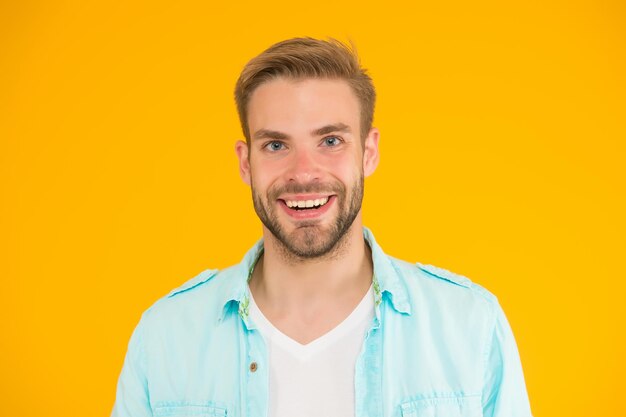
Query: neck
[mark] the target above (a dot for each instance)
(284, 284)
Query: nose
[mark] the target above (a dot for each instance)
(303, 166)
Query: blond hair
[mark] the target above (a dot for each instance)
(302, 58)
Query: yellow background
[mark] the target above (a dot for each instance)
(503, 159)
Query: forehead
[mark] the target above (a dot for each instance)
(289, 105)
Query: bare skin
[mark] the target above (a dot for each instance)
(305, 134)
(307, 301)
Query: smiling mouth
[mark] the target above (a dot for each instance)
(300, 205)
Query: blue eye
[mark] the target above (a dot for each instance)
(274, 146)
(332, 141)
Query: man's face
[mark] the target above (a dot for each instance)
(305, 162)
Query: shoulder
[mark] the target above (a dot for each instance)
(448, 299)
(437, 281)
(195, 282)
(193, 298)
(456, 279)
(186, 316)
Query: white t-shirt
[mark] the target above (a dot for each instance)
(316, 379)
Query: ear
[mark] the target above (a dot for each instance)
(370, 152)
(241, 149)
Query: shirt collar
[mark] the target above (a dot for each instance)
(387, 281)
(235, 283)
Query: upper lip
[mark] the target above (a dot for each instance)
(303, 197)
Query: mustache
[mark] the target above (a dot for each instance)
(297, 188)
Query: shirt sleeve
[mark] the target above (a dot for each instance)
(504, 391)
(132, 399)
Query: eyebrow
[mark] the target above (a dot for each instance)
(339, 127)
(274, 134)
(269, 134)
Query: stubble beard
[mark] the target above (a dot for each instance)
(310, 240)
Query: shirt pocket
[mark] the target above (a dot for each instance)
(443, 406)
(189, 409)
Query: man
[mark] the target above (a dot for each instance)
(316, 320)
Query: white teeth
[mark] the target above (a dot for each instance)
(306, 203)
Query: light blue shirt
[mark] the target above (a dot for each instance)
(438, 346)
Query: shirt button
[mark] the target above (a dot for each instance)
(253, 367)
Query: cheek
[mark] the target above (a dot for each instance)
(345, 167)
(264, 173)
(267, 163)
